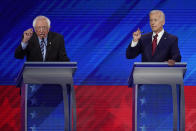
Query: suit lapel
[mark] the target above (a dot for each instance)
(37, 46)
(149, 46)
(48, 45)
(161, 43)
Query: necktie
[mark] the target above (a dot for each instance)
(42, 47)
(154, 44)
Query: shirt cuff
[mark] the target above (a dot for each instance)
(133, 44)
(24, 45)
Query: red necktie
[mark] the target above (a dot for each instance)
(154, 44)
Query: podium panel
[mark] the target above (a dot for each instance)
(155, 108)
(47, 96)
(158, 96)
(45, 108)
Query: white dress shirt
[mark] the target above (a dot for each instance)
(160, 34)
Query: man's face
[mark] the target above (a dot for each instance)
(41, 28)
(156, 22)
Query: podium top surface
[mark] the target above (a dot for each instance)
(158, 64)
(51, 64)
(39, 67)
(146, 72)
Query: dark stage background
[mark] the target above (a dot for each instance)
(96, 34)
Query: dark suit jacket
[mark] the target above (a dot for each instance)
(55, 50)
(167, 49)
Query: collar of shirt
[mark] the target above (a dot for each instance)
(160, 34)
(45, 40)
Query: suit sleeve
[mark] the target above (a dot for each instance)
(175, 52)
(133, 52)
(19, 52)
(62, 55)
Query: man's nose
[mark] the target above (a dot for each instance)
(41, 30)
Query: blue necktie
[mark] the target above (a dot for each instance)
(42, 47)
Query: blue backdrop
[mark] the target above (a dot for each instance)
(96, 34)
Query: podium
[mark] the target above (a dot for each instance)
(158, 96)
(47, 96)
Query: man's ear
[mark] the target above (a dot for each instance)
(163, 23)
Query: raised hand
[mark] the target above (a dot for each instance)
(27, 35)
(136, 35)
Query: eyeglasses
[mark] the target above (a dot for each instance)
(41, 27)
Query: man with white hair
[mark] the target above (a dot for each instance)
(41, 45)
(156, 46)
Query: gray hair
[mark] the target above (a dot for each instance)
(41, 17)
(162, 15)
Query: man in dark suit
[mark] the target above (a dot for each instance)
(156, 46)
(41, 45)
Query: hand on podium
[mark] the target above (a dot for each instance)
(171, 62)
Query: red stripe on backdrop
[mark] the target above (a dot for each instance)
(9, 108)
(190, 108)
(104, 108)
(99, 108)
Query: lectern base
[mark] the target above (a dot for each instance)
(44, 108)
(154, 108)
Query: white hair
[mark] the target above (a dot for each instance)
(162, 15)
(41, 17)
